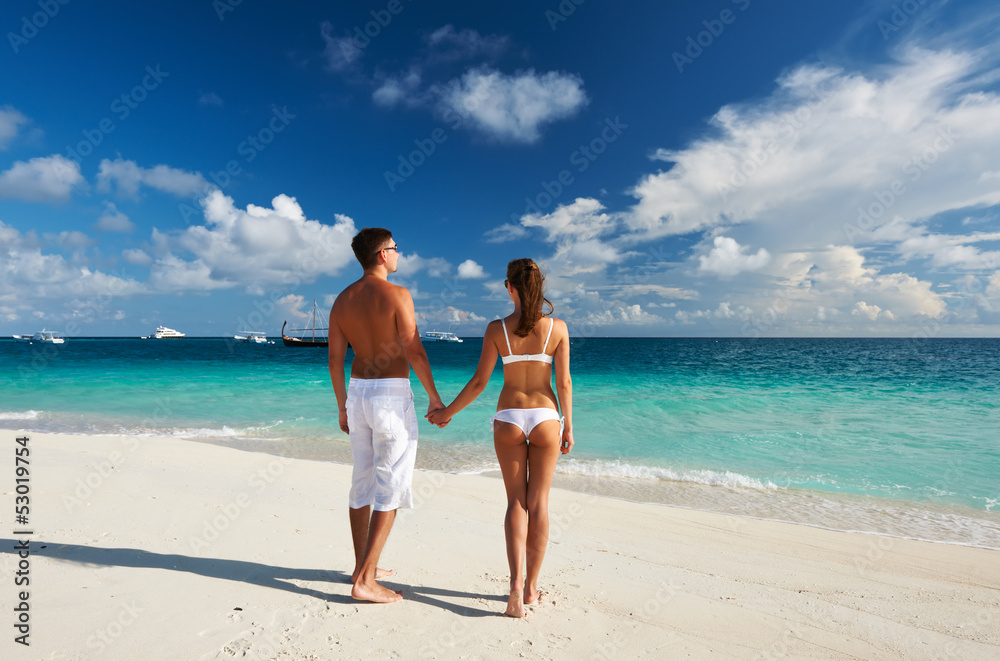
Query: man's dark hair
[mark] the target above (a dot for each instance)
(367, 244)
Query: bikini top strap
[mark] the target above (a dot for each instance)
(551, 324)
(510, 352)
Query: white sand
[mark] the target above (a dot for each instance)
(167, 549)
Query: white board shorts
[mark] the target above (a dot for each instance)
(383, 435)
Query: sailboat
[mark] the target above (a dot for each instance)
(311, 340)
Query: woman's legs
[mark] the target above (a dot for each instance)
(543, 453)
(512, 454)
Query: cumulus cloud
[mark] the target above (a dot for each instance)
(871, 311)
(42, 179)
(113, 220)
(729, 258)
(11, 121)
(127, 177)
(253, 247)
(470, 270)
(30, 277)
(623, 314)
(411, 263)
(513, 107)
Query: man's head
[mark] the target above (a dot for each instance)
(370, 243)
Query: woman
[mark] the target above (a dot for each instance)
(528, 432)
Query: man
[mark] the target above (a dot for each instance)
(377, 319)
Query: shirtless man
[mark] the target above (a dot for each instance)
(377, 319)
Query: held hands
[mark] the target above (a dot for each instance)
(436, 414)
(567, 441)
(440, 417)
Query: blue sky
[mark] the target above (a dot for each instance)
(734, 168)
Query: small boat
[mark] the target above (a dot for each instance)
(311, 340)
(440, 336)
(41, 336)
(259, 337)
(163, 333)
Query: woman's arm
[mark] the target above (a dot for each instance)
(476, 385)
(564, 385)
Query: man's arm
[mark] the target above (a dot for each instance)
(406, 327)
(337, 349)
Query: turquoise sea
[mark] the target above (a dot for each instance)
(896, 436)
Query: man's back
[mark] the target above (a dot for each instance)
(372, 315)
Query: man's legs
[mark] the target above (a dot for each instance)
(360, 519)
(377, 529)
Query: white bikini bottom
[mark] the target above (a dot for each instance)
(526, 419)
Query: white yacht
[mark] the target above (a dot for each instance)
(163, 333)
(440, 336)
(259, 337)
(41, 336)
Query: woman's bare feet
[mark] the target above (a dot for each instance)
(372, 591)
(532, 595)
(379, 573)
(515, 603)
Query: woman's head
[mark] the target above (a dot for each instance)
(529, 283)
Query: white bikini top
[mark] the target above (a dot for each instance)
(540, 357)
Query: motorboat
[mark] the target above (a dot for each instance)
(258, 337)
(41, 336)
(163, 333)
(440, 336)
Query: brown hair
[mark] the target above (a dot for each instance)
(525, 276)
(367, 244)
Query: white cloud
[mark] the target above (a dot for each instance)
(470, 270)
(729, 258)
(210, 99)
(411, 263)
(828, 141)
(11, 121)
(127, 177)
(449, 44)
(623, 314)
(341, 52)
(512, 107)
(255, 247)
(30, 277)
(42, 179)
(504, 233)
(871, 311)
(580, 220)
(113, 220)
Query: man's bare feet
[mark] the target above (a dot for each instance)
(379, 573)
(515, 603)
(375, 592)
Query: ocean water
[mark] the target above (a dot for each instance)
(895, 436)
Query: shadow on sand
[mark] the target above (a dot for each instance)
(268, 576)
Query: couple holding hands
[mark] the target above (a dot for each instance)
(376, 409)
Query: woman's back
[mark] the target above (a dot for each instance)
(527, 370)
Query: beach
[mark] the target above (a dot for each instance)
(180, 550)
